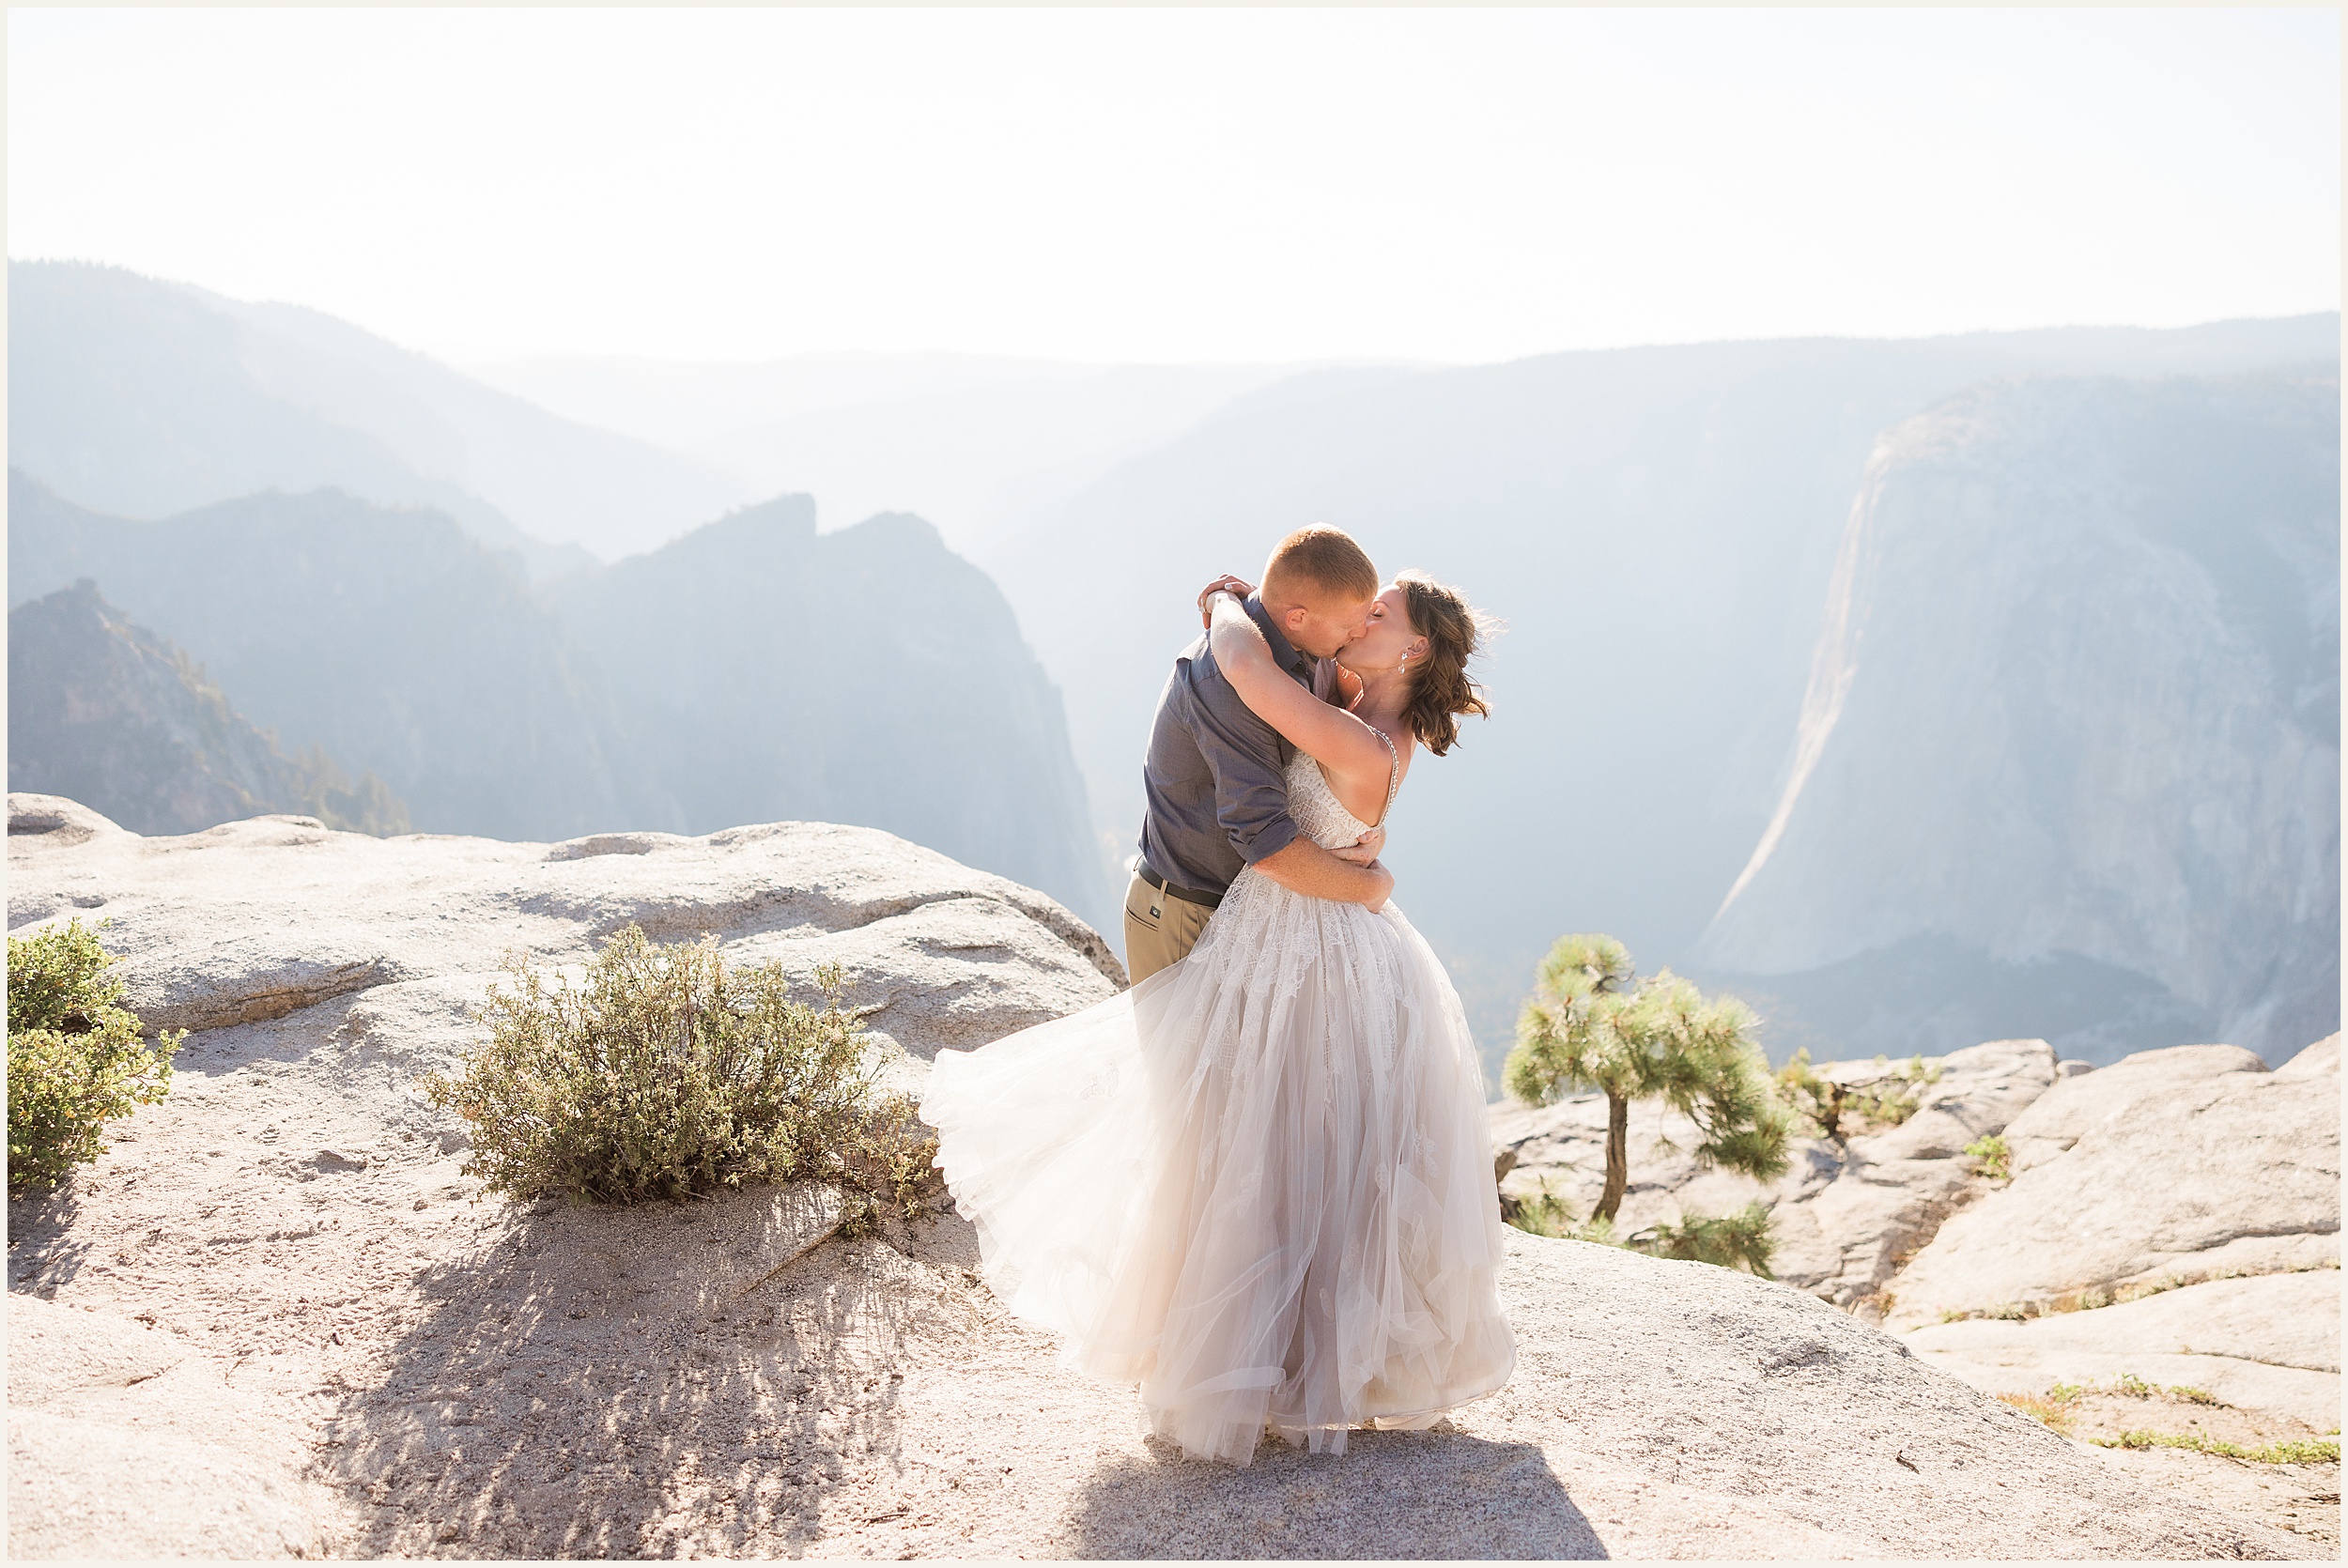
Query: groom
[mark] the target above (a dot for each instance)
(1216, 775)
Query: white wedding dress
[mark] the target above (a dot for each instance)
(1259, 1184)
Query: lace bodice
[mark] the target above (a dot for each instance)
(1316, 806)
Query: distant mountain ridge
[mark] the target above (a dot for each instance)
(966, 440)
(104, 712)
(751, 672)
(146, 398)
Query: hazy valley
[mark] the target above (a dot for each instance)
(2010, 647)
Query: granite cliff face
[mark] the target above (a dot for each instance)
(758, 670)
(272, 1321)
(2076, 701)
(105, 711)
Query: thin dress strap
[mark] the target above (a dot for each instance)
(1393, 775)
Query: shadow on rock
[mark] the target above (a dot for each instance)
(650, 1381)
(1434, 1494)
(42, 1256)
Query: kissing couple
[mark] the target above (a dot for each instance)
(1259, 1184)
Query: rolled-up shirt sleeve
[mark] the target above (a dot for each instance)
(1251, 793)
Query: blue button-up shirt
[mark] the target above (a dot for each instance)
(1216, 775)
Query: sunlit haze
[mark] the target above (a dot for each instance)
(1193, 185)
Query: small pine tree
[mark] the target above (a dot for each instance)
(1591, 1023)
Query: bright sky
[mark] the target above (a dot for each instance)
(1184, 185)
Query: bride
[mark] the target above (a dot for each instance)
(1260, 1183)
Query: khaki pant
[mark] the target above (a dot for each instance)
(1160, 930)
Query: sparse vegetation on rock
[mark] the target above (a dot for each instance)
(76, 1060)
(1839, 1106)
(1991, 1157)
(2135, 1413)
(669, 1074)
(2318, 1451)
(2054, 1406)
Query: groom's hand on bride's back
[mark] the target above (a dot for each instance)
(1304, 867)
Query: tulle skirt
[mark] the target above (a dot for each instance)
(1259, 1184)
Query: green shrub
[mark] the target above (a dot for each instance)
(1991, 1158)
(1542, 1213)
(670, 1074)
(76, 1060)
(2051, 1409)
(1739, 1241)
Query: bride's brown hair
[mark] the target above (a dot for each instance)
(1441, 691)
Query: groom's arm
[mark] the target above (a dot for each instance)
(1305, 868)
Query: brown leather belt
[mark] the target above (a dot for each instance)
(1188, 896)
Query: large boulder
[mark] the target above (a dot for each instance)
(1845, 1238)
(2167, 1168)
(263, 918)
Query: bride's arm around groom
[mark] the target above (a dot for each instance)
(1360, 762)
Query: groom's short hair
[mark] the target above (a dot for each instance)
(1323, 559)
